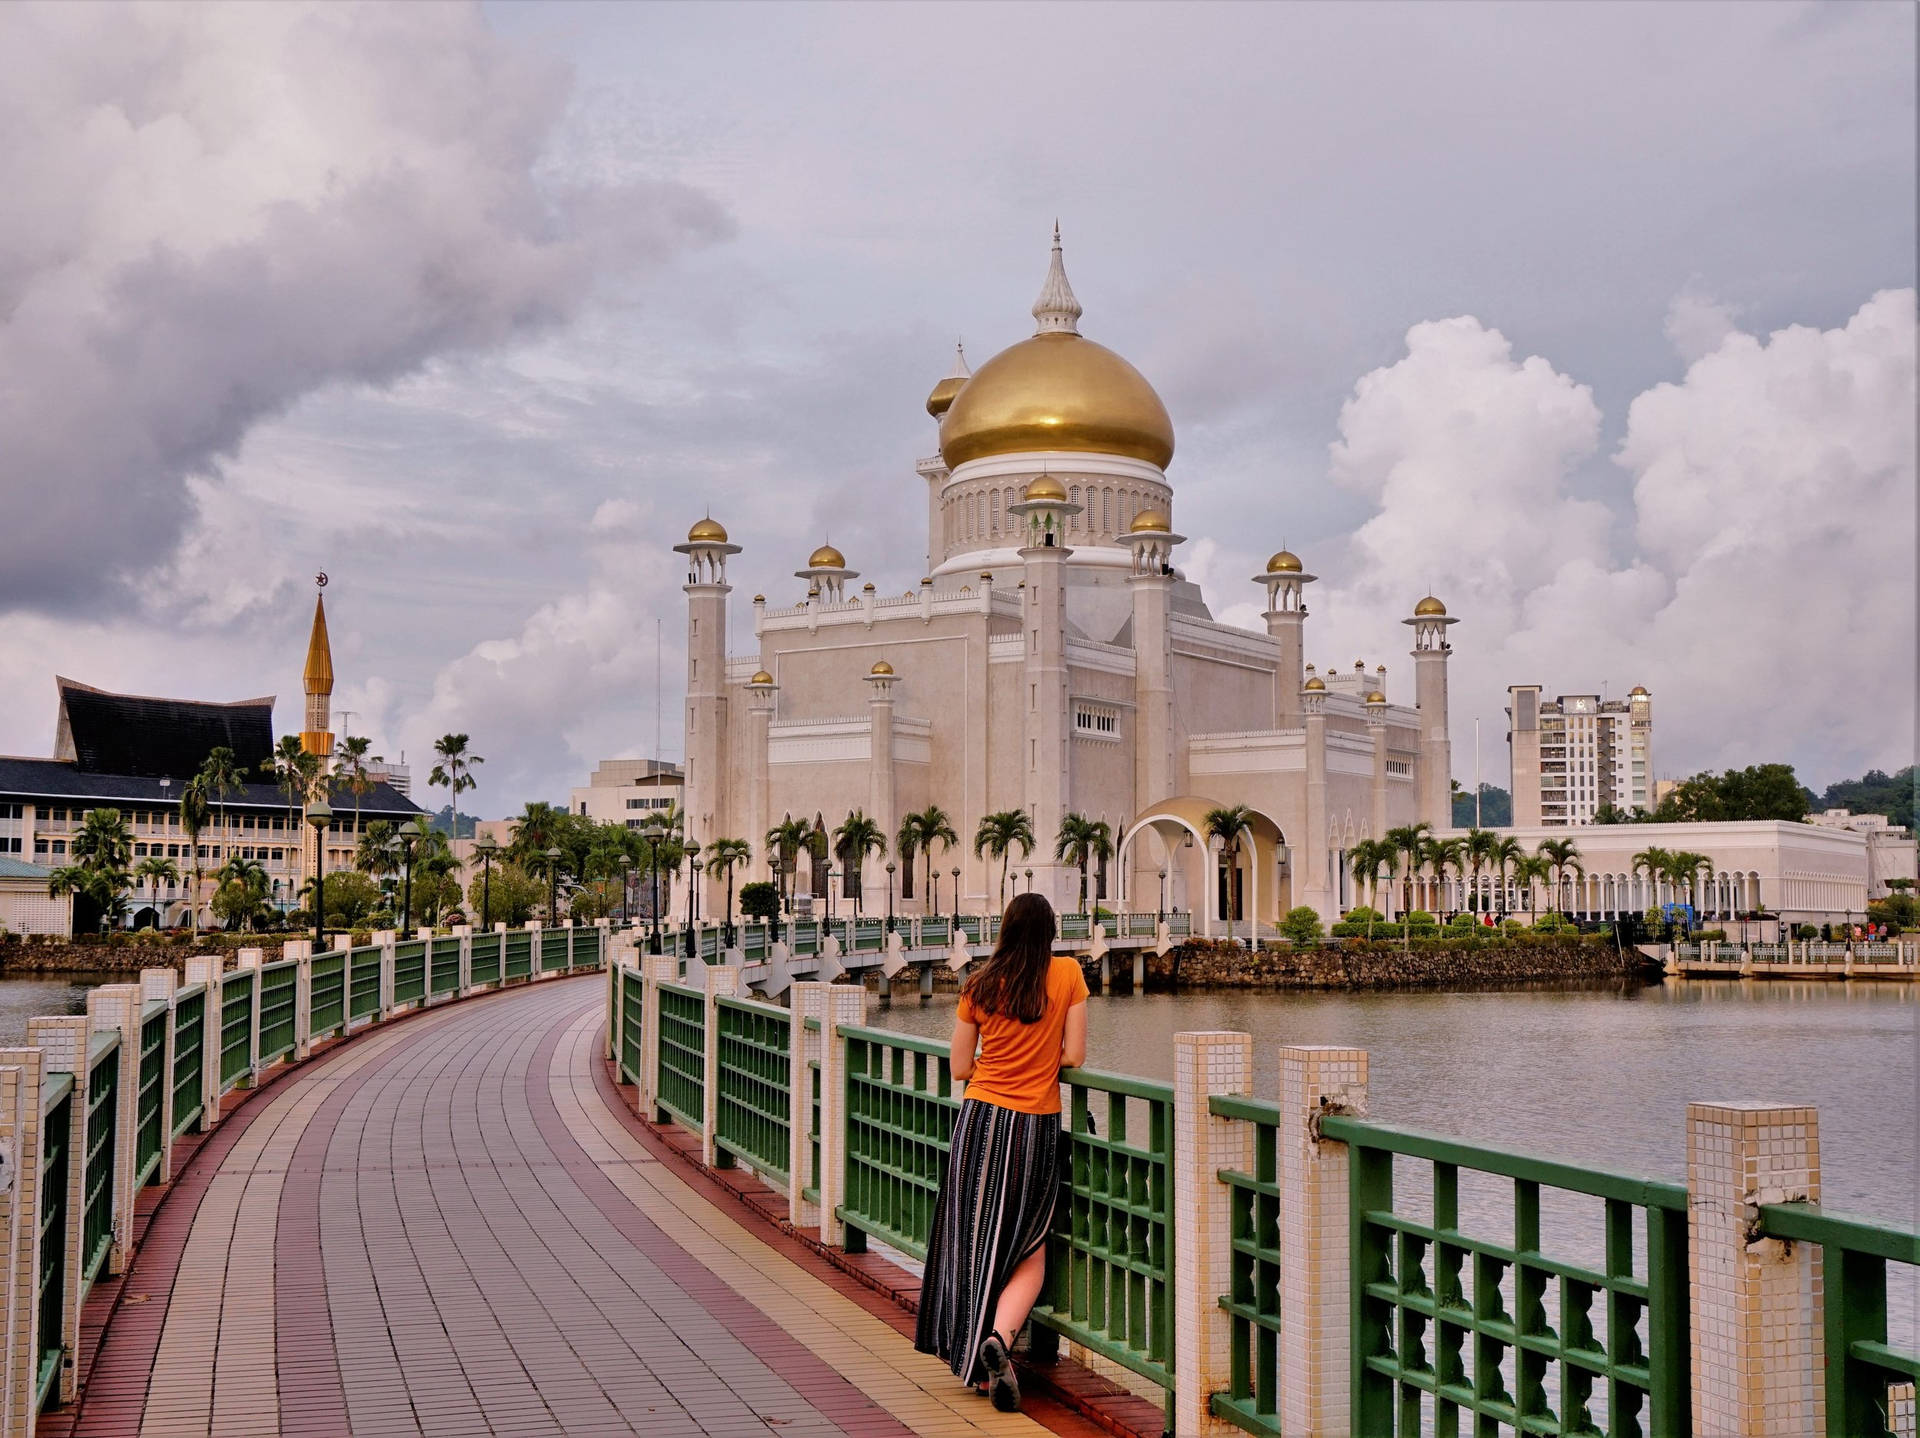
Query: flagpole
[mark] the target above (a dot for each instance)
(1476, 771)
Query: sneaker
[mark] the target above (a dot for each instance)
(1002, 1386)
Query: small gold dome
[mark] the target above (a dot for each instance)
(1057, 390)
(759, 599)
(1429, 607)
(1150, 521)
(1639, 691)
(1048, 488)
(1376, 697)
(944, 394)
(1316, 683)
(761, 677)
(1285, 562)
(826, 557)
(707, 531)
(880, 666)
(867, 588)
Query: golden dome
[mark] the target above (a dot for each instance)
(707, 531)
(1376, 697)
(1150, 521)
(1285, 562)
(944, 394)
(880, 666)
(1316, 684)
(761, 677)
(826, 557)
(1639, 691)
(1057, 390)
(1049, 488)
(1429, 607)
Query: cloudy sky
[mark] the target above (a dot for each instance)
(1599, 319)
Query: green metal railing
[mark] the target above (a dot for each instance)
(900, 1107)
(680, 1087)
(150, 1107)
(56, 1130)
(553, 950)
(632, 1022)
(444, 965)
(189, 1051)
(363, 982)
(483, 966)
(236, 1027)
(1861, 1365)
(1252, 1302)
(103, 1109)
(1112, 1260)
(327, 994)
(519, 954)
(1446, 1324)
(279, 999)
(753, 1120)
(410, 971)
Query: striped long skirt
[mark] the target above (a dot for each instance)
(994, 1209)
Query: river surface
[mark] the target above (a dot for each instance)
(33, 996)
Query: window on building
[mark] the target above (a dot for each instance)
(39, 846)
(1090, 720)
(12, 845)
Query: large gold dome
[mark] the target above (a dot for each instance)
(1057, 390)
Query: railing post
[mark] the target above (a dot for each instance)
(301, 952)
(806, 1000)
(1315, 1303)
(163, 984)
(1755, 1314)
(20, 1081)
(718, 983)
(251, 959)
(571, 929)
(206, 970)
(385, 938)
(846, 1007)
(536, 948)
(65, 1040)
(602, 935)
(1204, 1064)
(111, 1007)
(657, 969)
(464, 985)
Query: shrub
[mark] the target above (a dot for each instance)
(1549, 923)
(1463, 921)
(760, 899)
(1419, 919)
(1360, 913)
(1806, 931)
(1514, 926)
(1709, 936)
(1302, 925)
(1346, 929)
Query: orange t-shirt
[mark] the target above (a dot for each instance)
(1019, 1064)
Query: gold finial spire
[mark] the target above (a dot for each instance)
(317, 737)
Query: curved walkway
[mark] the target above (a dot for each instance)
(445, 1228)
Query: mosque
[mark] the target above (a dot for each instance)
(1055, 659)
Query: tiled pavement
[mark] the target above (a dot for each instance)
(444, 1228)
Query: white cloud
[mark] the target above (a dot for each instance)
(1696, 324)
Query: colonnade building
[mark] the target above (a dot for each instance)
(1054, 658)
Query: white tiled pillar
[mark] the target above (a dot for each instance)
(206, 970)
(20, 1081)
(252, 959)
(719, 982)
(116, 1008)
(65, 1041)
(301, 952)
(1315, 1342)
(659, 969)
(846, 1007)
(162, 983)
(1754, 1314)
(536, 948)
(1204, 1064)
(464, 932)
(385, 938)
(805, 1001)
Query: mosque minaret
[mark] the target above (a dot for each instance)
(1055, 659)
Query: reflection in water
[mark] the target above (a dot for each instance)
(41, 995)
(1598, 1076)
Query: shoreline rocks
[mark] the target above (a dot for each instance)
(1446, 964)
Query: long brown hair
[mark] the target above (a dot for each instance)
(1013, 982)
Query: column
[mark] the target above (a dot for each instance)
(65, 1041)
(706, 802)
(1754, 1317)
(719, 981)
(1154, 775)
(1204, 1064)
(805, 1047)
(846, 1008)
(115, 1008)
(205, 970)
(1319, 888)
(1430, 651)
(1047, 760)
(658, 969)
(1377, 796)
(163, 984)
(1315, 1316)
(21, 1076)
(883, 805)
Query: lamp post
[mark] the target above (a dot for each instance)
(933, 891)
(779, 872)
(831, 876)
(1160, 914)
(411, 833)
(693, 905)
(626, 890)
(956, 893)
(319, 815)
(1029, 881)
(890, 868)
(651, 835)
(486, 847)
(553, 885)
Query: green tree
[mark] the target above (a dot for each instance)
(454, 771)
(1657, 864)
(1505, 853)
(351, 896)
(377, 850)
(1368, 858)
(288, 767)
(1562, 856)
(784, 842)
(1479, 846)
(1301, 925)
(240, 898)
(760, 900)
(1683, 870)
(153, 871)
(1227, 824)
(723, 857)
(350, 769)
(1528, 870)
(919, 833)
(1760, 791)
(1875, 792)
(535, 831)
(1082, 842)
(193, 819)
(1409, 842)
(857, 837)
(102, 852)
(1443, 855)
(996, 836)
(513, 893)
(222, 775)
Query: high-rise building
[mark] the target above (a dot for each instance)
(630, 792)
(1572, 754)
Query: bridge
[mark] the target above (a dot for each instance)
(544, 1182)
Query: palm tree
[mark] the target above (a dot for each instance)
(1409, 841)
(454, 772)
(722, 856)
(94, 884)
(1504, 854)
(1561, 855)
(350, 761)
(153, 871)
(284, 768)
(919, 833)
(996, 836)
(101, 851)
(193, 818)
(858, 837)
(1657, 864)
(536, 830)
(1684, 867)
(1227, 825)
(785, 840)
(241, 889)
(222, 775)
(1528, 870)
(1480, 844)
(1081, 842)
(1445, 854)
(373, 852)
(1367, 858)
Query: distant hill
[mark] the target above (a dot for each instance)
(1875, 792)
(443, 821)
(1496, 808)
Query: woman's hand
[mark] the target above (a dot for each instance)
(966, 1044)
(1073, 1042)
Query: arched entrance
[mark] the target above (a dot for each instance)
(1167, 861)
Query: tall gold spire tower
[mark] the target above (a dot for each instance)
(316, 738)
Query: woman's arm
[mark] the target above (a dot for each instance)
(966, 1043)
(1073, 1043)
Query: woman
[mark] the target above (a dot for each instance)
(1022, 1018)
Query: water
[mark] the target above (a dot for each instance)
(1599, 1076)
(32, 996)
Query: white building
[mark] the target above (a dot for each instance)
(1891, 852)
(629, 791)
(25, 905)
(1054, 659)
(1571, 755)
